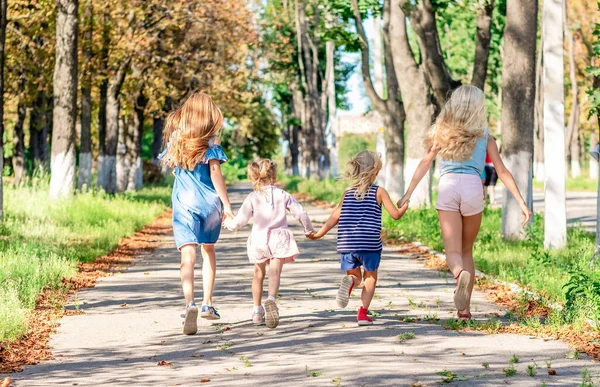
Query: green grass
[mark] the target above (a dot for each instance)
(547, 273)
(581, 183)
(42, 240)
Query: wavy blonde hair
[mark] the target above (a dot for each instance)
(363, 169)
(189, 129)
(262, 173)
(459, 125)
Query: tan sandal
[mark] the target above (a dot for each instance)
(461, 293)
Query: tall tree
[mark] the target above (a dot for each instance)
(555, 215)
(18, 158)
(3, 18)
(483, 37)
(62, 181)
(572, 134)
(389, 107)
(102, 178)
(85, 149)
(518, 99)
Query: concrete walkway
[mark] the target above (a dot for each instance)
(132, 322)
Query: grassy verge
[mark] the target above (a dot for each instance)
(41, 240)
(567, 276)
(577, 184)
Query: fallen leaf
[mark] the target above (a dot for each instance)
(163, 341)
(123, 304)
(226, 328)
(196, 355)
(551, 371)
(164, 363)
(147, 273)
(207, 342)
(204, 380)
(6, 382)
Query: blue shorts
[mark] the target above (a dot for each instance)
(367, 259)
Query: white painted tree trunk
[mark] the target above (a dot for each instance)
(85, 171)
(555, 214)
(123, 162)
(62, 180)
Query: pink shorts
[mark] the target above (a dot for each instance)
(460, 192)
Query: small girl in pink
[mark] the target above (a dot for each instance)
(270, 240)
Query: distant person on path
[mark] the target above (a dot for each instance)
(270, 242)
(358, 217)
(460, 136)
(491, 178)
(199, 196)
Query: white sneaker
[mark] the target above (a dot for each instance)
(190, 324)
(272, 313)
(258, 316)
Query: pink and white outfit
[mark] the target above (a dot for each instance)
(270, 237)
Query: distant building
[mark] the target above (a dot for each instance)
(369, 122)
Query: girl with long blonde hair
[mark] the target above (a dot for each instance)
(358, 217)
(270, 242)
(460, 137)
(199, 196)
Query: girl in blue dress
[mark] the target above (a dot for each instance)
(199, 196)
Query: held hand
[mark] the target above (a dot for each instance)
(228, 213)
(404, 200)
(312, 236)
(526, 213)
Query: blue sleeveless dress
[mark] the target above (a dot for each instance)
(197, 209)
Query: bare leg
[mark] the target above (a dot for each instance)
(356, 274)
(451, 225)
(188, 261)
(471, 225)
(369, 288)
(275, 267)
(260, 270)
(209, 271)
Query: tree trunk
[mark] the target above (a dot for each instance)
(419, 109)
(593, 164)
(113, 107)
(539, 171)
(380, 145)
(158, 124)
(85, 149)
(555, 214)
(3, 19)
(483, 37)
(18, 158)
(331, 103)
(134, 144)
(518, 85)
(102, 178)
(572, 137)
(62, 181)
(123, 162)
(38, 133)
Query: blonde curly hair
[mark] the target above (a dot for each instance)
(459, 125)
(189, 129)
(363, 169)
(262, 173)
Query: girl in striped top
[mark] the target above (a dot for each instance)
(358, 217)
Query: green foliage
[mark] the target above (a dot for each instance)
(594, 71)
(41, 244)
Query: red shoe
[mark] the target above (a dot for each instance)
(364, 319)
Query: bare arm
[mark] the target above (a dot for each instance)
(507, 178)
(217, 178)
(422, 169)
(383, 197)
(331, 222)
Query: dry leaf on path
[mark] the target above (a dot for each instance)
(164, 363)
(204, 380)
(196, 355)
(147, 273)
(551, 371)
(6, 382)
(226, 328)
(123, 305)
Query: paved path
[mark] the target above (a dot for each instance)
(316, 343)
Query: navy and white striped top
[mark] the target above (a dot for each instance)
(359, 227)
